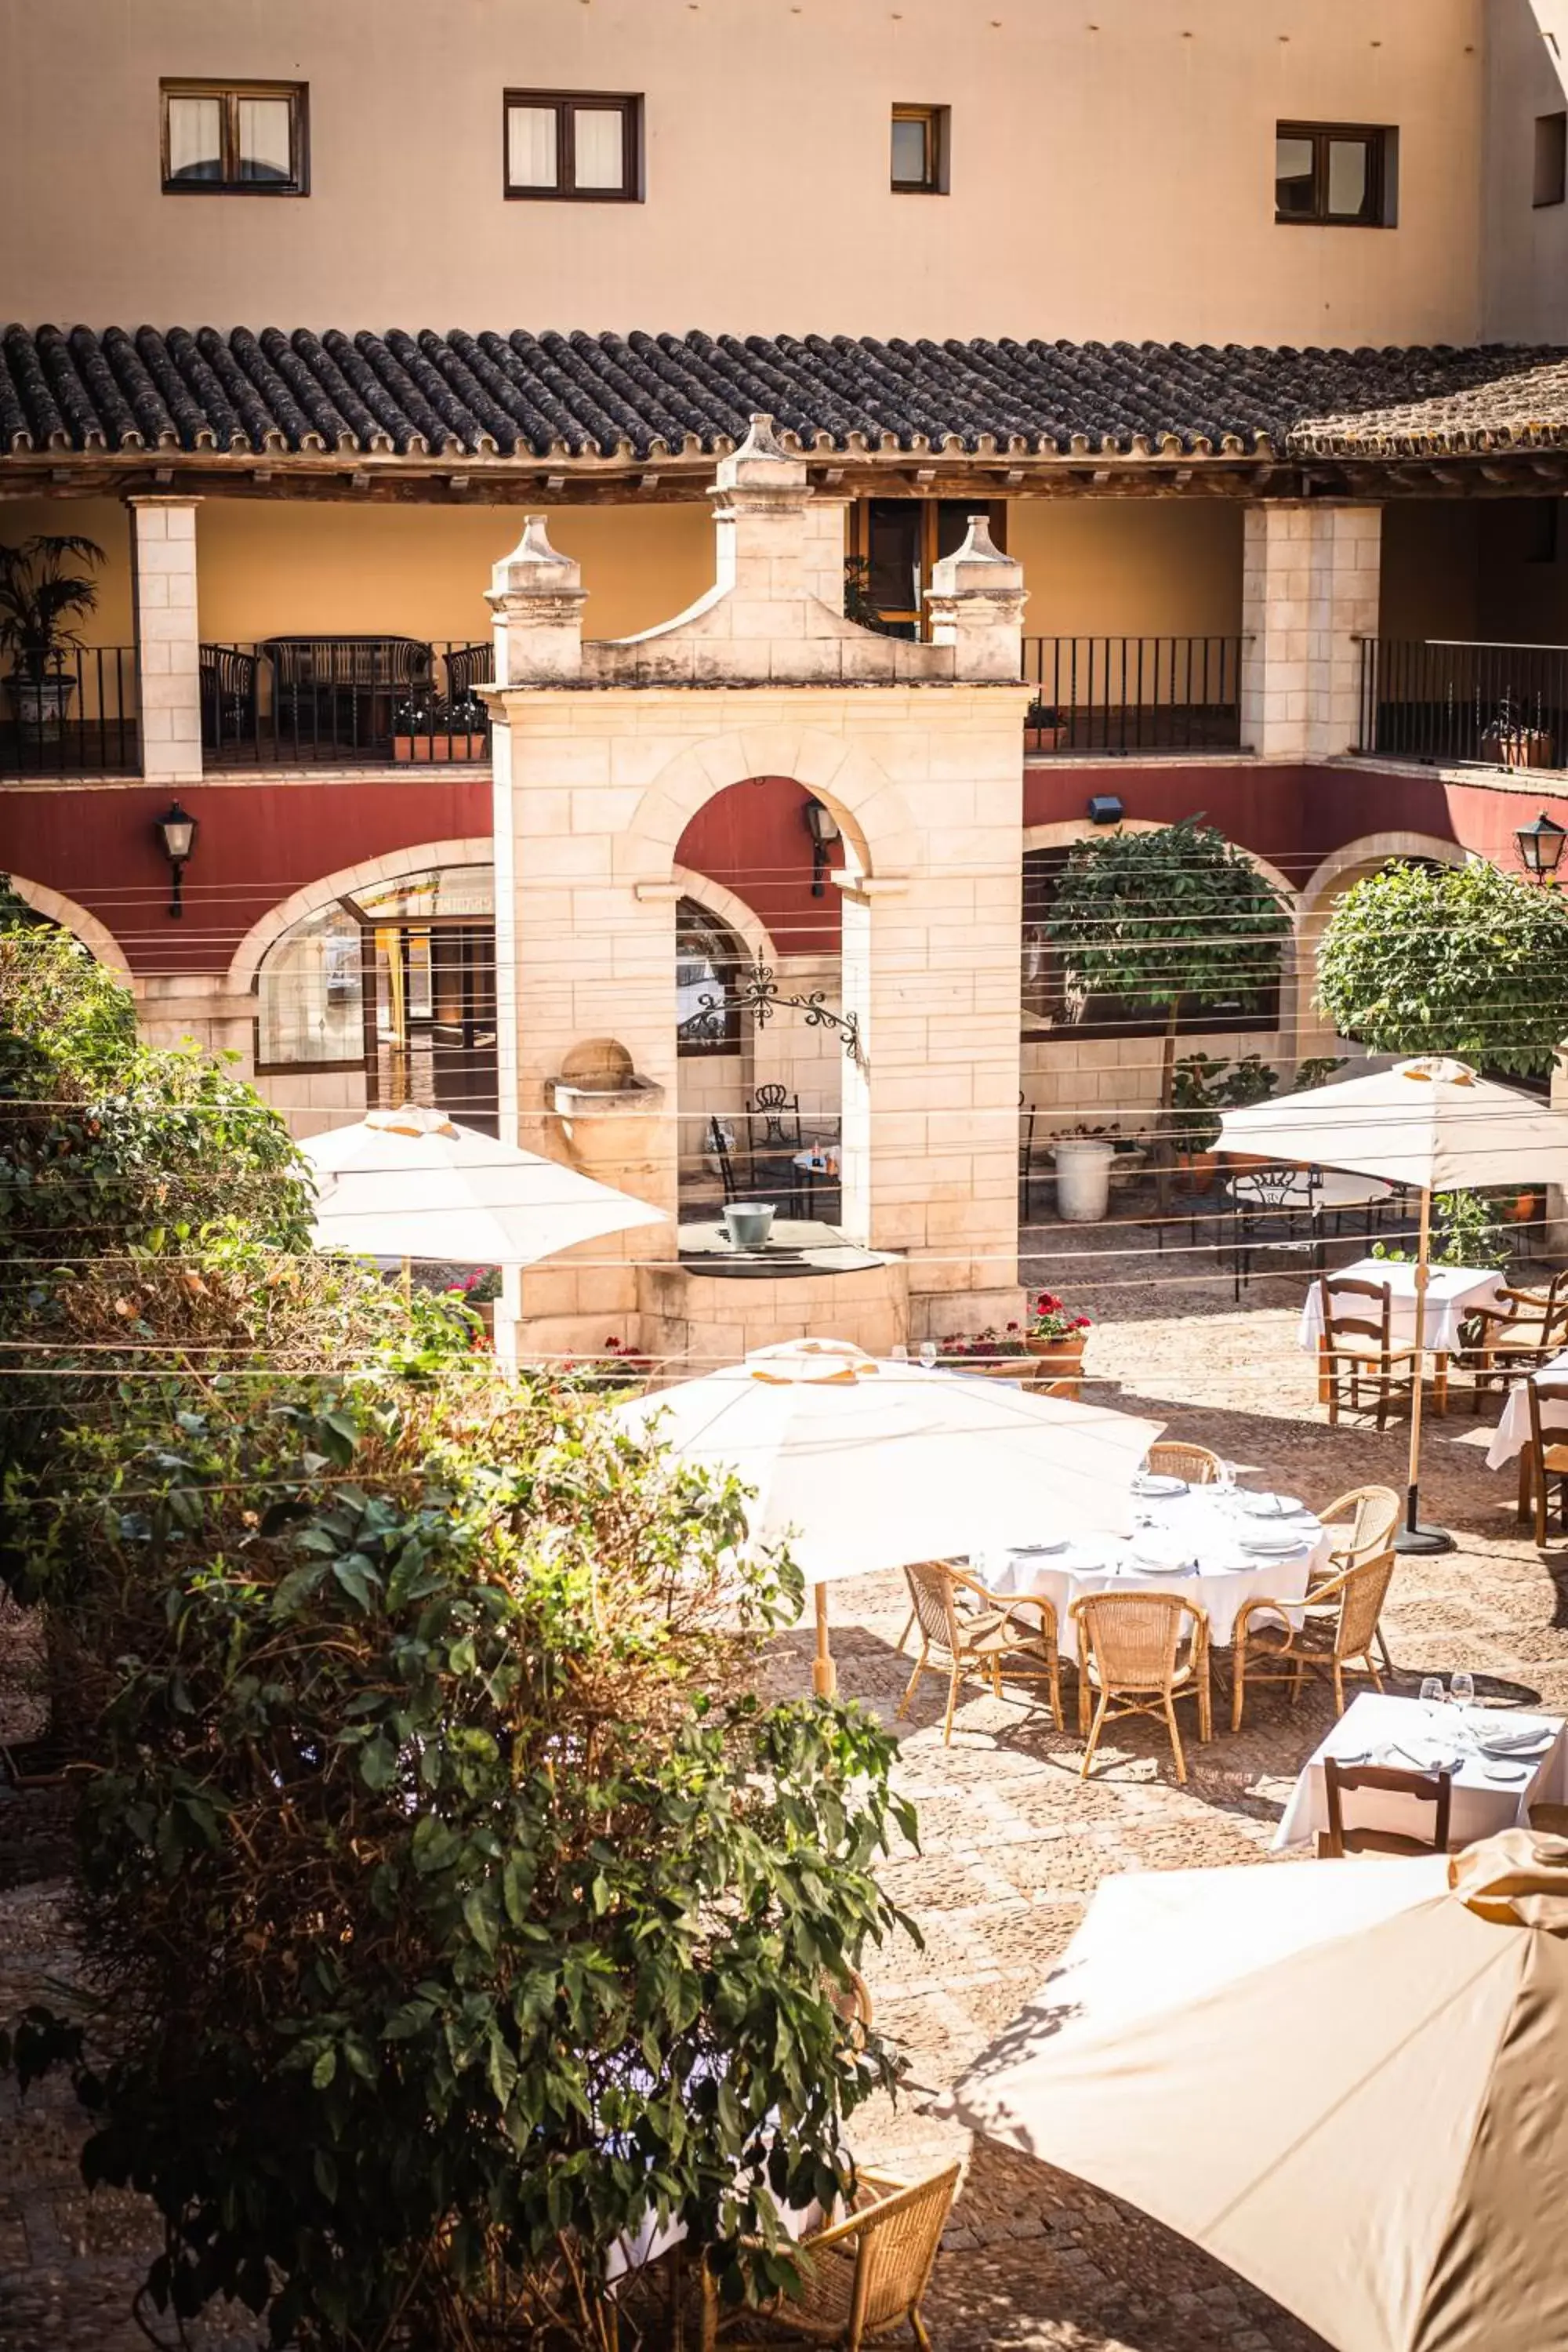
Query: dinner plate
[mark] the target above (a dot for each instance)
(1273, 1507)
(1271, 1547)
(1040, 1550)
(1496, 1768)
(1148, 1482)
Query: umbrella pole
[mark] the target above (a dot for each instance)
(824, 1673)
(1412, 1536)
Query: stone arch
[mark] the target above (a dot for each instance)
(1372, 850)
(477, 849)
(731, 910)
(880, 835)
(1295, 992)
(84, 928)
(1063, 831)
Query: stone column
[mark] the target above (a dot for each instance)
(1310, 587)
(585, 959)
(168, 658)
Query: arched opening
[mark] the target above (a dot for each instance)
(386, 995)
(713, 1044)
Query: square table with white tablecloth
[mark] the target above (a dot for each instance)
(1453, 1293)
(1513, 1429)
(1490, 1792)
(1214, 1546)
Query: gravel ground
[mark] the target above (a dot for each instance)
(1011, 1843)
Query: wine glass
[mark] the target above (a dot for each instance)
(1462, 1689)
(901, 1353)
(1431, 1690)
(928, 1354)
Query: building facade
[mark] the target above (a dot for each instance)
(1242, 333)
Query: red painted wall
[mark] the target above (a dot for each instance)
(752, 839)
(254, 844)
(258, 842)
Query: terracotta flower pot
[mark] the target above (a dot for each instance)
(1054, 1361)
(440, 747)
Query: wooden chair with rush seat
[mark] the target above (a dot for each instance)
(1343, 1837)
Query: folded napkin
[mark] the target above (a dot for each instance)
(1507, 1737)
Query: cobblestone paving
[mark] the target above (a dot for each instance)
(1012, 1844)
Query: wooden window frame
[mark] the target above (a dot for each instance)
(565, 104)
(229, 94)
(935, 119)
(860, 550)
(1378, 139)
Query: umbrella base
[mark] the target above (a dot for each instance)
(1423, 1539)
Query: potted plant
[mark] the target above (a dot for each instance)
(996, 1355)
(1046, 729)
(432, 729)
(1057, 1337)
(43, 596)
(1509, 743)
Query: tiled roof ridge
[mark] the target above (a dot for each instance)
(426, 396)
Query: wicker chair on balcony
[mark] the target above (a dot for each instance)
(860, 2278)
(1196, 1464)
(1336, 1636)
(226, 679)
(1131, 1650)
(468, 667)
(970, 1641)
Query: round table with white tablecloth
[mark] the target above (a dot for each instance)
(1514, 1430)
(1214, 1546)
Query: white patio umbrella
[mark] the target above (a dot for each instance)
(410, 1183)
(1343, 2079)
(864, 1465)
(1433, 1124)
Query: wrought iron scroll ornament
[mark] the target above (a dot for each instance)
(757, 992)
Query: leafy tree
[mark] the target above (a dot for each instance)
(1466, 961)
(452, 1902)
(1165, 919)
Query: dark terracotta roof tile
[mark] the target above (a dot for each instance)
(422, 394)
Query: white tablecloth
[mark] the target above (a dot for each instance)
(1454, 1292)
(1513, 1429)
(1480, 1806)
(1205, 1524)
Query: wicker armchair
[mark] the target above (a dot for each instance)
(1527, 1331)
(1342, 1838)
(1129, 1650)
(1363, 1524)
(975, 1642)
(1336, 1635)
(1196, 1464)
(864, 2276)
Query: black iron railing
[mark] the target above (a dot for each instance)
(76, 715)
(1439, 700)
(1119, 695)
(308, 701)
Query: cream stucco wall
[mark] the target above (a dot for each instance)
(283, 567)
(1526, 250)
(1111, 169)
(1132, 567)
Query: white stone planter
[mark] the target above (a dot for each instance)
(1083, 1181)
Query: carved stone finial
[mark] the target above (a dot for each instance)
(534, 564)
(762, 441)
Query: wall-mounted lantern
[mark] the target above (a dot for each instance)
(1541, 848)
(823, 827)
(176, 830)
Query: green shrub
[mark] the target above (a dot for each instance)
(450, 1898)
